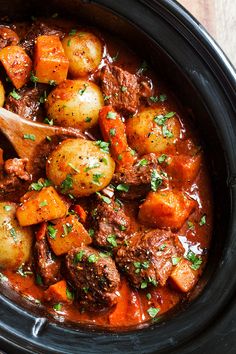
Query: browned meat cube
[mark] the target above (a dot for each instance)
(95, 277)
(148, 258)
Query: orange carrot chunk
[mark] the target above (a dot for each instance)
(67, 233)
(17, 64)
(41, 206)
(58, 292)
(183, 277)
(166, 209)
(80, 212)
(50, 62)
(113, 131)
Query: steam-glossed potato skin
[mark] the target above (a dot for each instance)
(84, 51)
(15, 241)
(145, 135)
(75, 103)
(81, 163)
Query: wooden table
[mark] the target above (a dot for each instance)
(219, 18)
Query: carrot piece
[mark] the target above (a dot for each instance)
(183, 277)
(17, 64)
(41, 206)
(41, 233)
(128, 309)
(113, 130)
(183, 168)
(58, 292)
(66, 234)
(50, 62)
(80, 212)
(165, 209)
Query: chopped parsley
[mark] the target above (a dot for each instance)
(111, 115)
(162, 247)
(13, 234)
(90, 167)
(194, 259)
(175, 260)
(104, 198)
(163, 98)
(33, 78)
(68, 42)
(15, 95)
(143, 162)
(52, 82)
(156, 180)
(48, 121)
(92, 258)
(112, 240)
(43, 203)
(153, 311)
(190, 225)
(43, 98)
(57, 307)
(39, 280)
(112, 132)
(162, 158)
(202, 220)
(148, 296)
(73, 167)
(123, 88)
(67, 184)
(52, 232)
(88, 119)
(154, 99)
(72, 32)
(69, 294)
(67, 228)
(122, 187)
(96, 178)
(103, 145)
(166, 132)
(79, 256)
(7, 207)
(160, 119)
(106, 97)
(91, 232)
(82, 91)
(29, 137)
(144, 285)
(37, 186)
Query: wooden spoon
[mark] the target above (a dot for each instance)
(32, 140)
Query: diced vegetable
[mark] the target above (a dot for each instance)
(50, 62)
(58, 292)
(127, 309)
(182, 168)
(41, 233)
(113, 130)
(80, 212)
(17, 64)
(165, 209)
(66, 234)
(41, 206)
(183, 276)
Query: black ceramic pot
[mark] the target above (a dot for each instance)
(176, 44)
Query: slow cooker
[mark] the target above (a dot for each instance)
(169, 38)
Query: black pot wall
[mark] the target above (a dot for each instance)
(178, 47)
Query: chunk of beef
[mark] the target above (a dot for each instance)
(138, 177)
(147, 260)
(7, 37)
(46, 264)
(28, 105)
(121, 89)
(110, 224)
(95, 277)
(17, 168)
(39, 29)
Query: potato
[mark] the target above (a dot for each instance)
(75, 103)
(15, 241)
(147, 135)
(2, 94)
(84, 51)
(80, 167)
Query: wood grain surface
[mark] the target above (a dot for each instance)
(219, 18)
